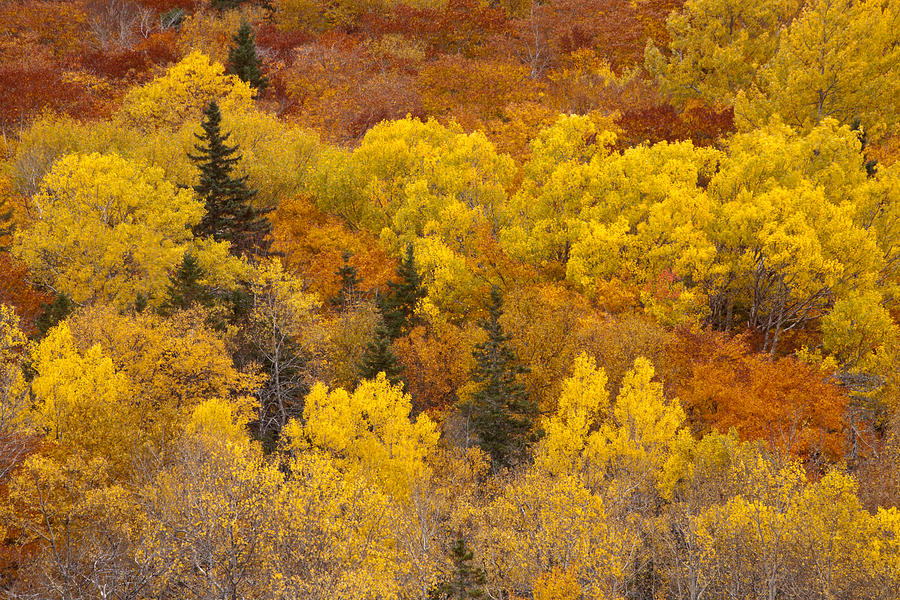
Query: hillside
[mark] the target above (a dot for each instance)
(449, 299)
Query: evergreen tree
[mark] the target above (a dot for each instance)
(6, 228)
(399, 306)
(501, 413)
(53, 312)
(184, 288)
(230, 215)
(465, 582)
(223, 5)
(243, 60)
(379, 357)
(350, 281)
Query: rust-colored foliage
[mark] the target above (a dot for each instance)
(461, 27)
(279, 42)
(28, 90)
(15, 291)
(133, 64)
(436, 364)
(313, 245)
(790, 405)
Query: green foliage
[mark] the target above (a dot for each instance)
(243, 60)
(348, 293)
(502, 415)
(465, 581)
(398, 306)
(230, 215)
(186, 287)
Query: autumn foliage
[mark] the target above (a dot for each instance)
(546, 300)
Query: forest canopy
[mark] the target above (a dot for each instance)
(449, 299)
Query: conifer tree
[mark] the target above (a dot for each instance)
(243, 60)
(397, 312)
(350, 281)
(399, 305)
(185, 289)
(466, 582)
(230, 215)
(501, 413)
(380, 358)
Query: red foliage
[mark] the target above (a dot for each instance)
(15, 291)
(27, 90)
(162, 6)
(280, 43)
(461, 27)
(134, 63)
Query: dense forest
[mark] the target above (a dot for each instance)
(450, 299)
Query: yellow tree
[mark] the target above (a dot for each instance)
(82, 401)
(369, 431)
(835, 60)
(83, 528)
(718, 46)
(172, 365)
(14, 401)
(108, 229)
(183, 92)
(212, 514)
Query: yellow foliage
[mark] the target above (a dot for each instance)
(82, 402)
(371, 430)
(183, 92)
(107, 229)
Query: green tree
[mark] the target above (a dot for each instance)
(185, 286)
(501, 413)
(399, 306)
(466, 582)
(379, 357)
(230, 215)
(350, 281)
(243, 60)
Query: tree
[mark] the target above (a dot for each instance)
(835, 60)
(243, 60)
(369, 432)
(183, 93)
(501, 413)
(466, 582)
(185, 288)
(348, 293)
(107, 229)
(230, 215)
(399, 306)
(284, 331)
(379, 357)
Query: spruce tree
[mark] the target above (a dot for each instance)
(230, 215)
(501, 413)
(379, 357)
(397, 313)
(399, 306)
(350, 281)
(243, 60)
(465, 582)
(184, 288)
